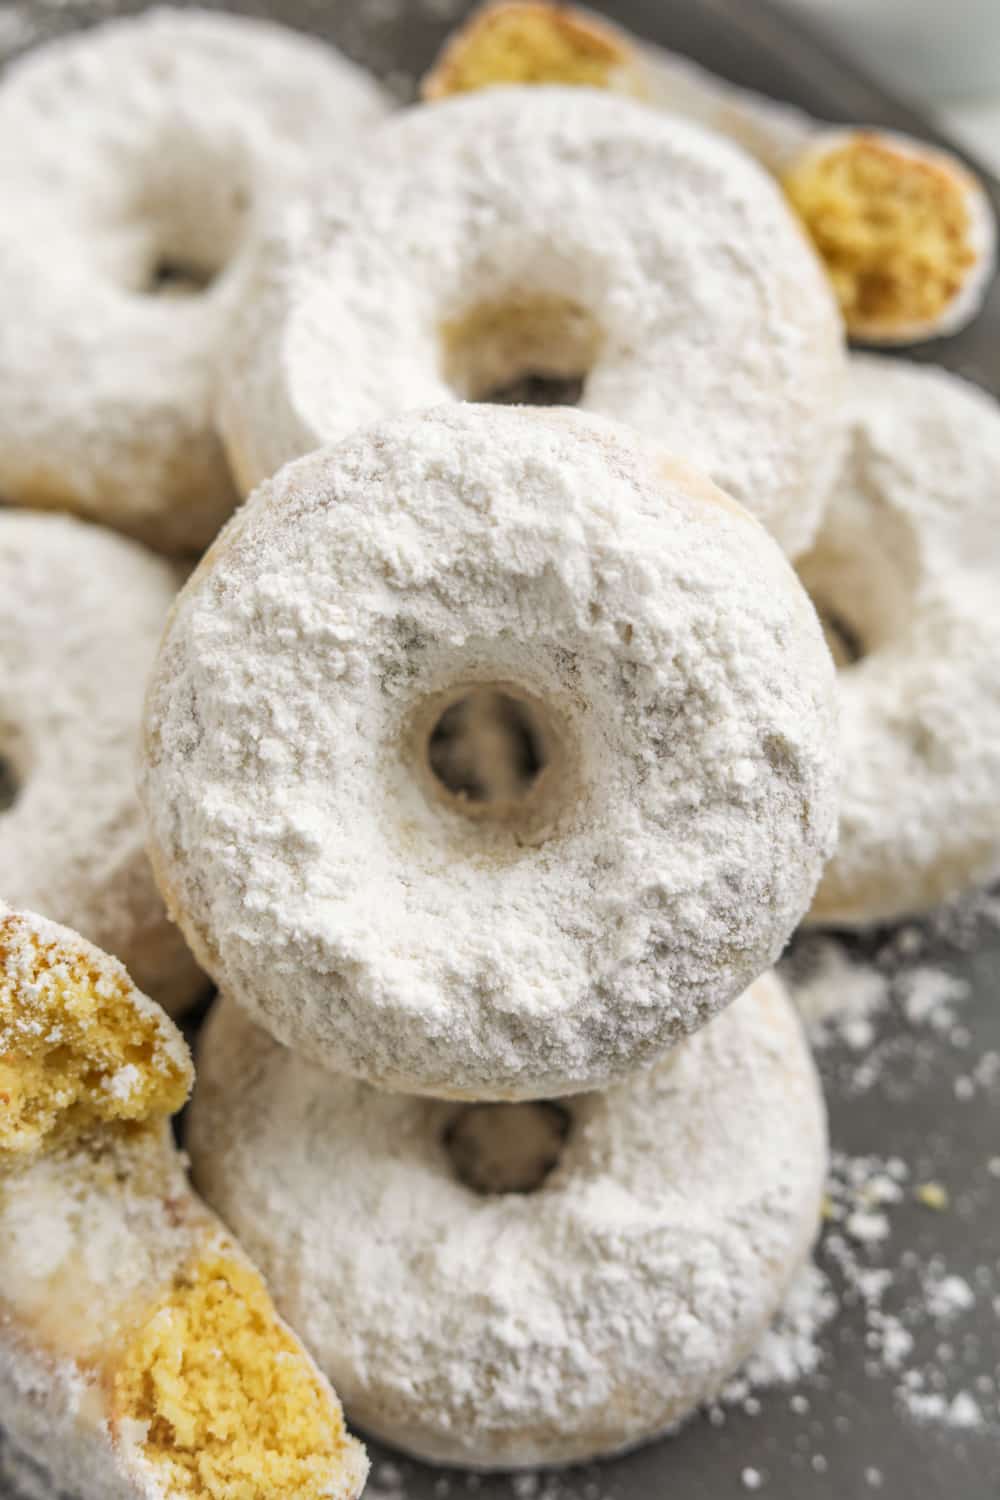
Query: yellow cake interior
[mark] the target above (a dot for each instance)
(76, 1046)
(534, 43)
(893, 229)
(233, 1409)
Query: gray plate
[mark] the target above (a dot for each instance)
(853, 1425)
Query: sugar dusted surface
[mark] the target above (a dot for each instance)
(920, 714)
(524, 1329)
(81, 613)
(720, 337)
(397, 939)
(113, 144)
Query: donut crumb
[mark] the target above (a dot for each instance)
(230, 1403)
(534, 43)
(893, 228)
(78, 1045)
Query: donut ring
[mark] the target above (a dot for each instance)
(81, 612)
(140, 1355)
(904, 570)
(654, 644)
(667, 1219)
(616, 248)
(116, 178)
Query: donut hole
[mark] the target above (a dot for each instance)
(862, 594)
(185, 216)
(488, 747)
(506, 1148)
(10, 784)
(169, 277)
(528, 351)
(842, 640)
(500, 767)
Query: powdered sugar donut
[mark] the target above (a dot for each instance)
(635, 254)
(905, 571)
(133, 159)
(81, 611)
(505, 1284)
(669, 703)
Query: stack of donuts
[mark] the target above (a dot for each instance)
(566, 582)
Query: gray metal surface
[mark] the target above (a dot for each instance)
(851, 1441)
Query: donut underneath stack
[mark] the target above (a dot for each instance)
(497, 1285)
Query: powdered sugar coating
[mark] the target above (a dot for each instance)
(81, 612)
(143, 141)
(522, 1329)
(716, 332)
(908, 556)
(376, 924)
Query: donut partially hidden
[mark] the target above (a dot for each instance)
(489, 753)
(81, 614)
(906, 232)
(139, 161)
(140, 1355)
(497, 1285)
(527, 41)
(904, 571)
(638, 259)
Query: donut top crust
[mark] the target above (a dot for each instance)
(716, 331)
(399, 939)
